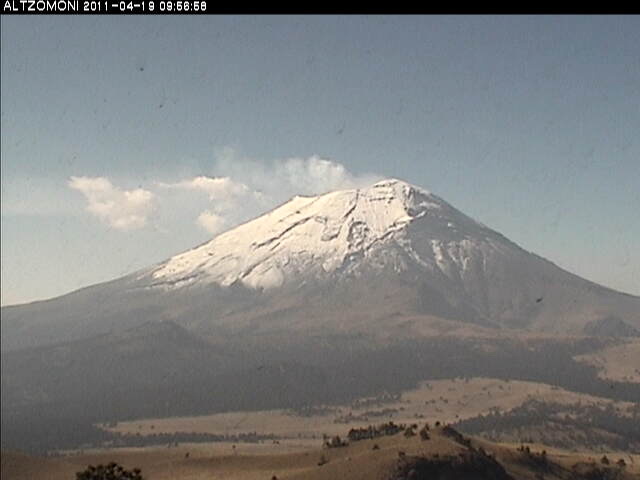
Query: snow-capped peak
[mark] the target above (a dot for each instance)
(400, 187)
(306, 235)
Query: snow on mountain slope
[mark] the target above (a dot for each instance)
(362, 261)
(321, 235)
(455, 266)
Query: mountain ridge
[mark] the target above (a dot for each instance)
(349, 261)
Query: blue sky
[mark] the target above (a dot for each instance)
(113, 128)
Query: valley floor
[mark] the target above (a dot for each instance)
(447, 401)
(288, 444)
(380, 458)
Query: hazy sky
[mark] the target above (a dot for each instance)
(113, 128)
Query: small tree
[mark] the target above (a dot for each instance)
(336, 442)
(111, 471)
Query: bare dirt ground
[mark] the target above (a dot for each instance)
(619, 363)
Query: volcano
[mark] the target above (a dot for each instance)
(391, 259)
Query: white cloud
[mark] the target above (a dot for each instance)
(246, 188)
(215, 187)
(239, 189)
(290, 176)
(222, 191)
(120, 209)
(211, 222)
(314, 174)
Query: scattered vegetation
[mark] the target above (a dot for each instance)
(365, 416)
(111, 471)
(69, 422)
(576, 425)
(468, 465)
(174, 439)
(456, 436)
(592, 471)
(536, 460)
(335, 442)
(424, 432)
(410, 431)
(312, 410)
(377, 401)
(374, 431)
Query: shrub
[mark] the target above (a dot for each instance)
(336, 442)
(111, 471)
